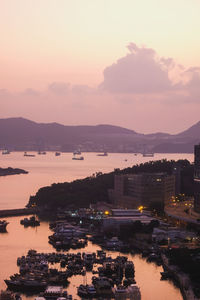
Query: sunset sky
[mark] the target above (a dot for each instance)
(130, 63)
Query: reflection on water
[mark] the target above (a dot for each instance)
(47, 169)
(18, 240)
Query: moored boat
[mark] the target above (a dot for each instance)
(78, 158)
(6, 151)
(41, 152)
(29, 155)
(77, 152)
(148, 154)
(26, 285)
(102, 154)
(32, 221)
(3, 225)
(86, 291)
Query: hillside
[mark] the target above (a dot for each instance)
(22, 134)
(192, 132)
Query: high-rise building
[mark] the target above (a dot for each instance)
(145, 189)
(197, 178)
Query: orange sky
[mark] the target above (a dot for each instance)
(75, 41)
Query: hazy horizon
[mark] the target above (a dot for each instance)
(129, 64)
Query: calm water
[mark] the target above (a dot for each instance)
(19, 240)
(45, 170)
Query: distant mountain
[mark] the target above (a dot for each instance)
(23, 134)
(192, 132)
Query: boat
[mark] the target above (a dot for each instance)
(53, 292)
(129, 269)
(130, 292)
(25, 285)
(78, 158)
(134, 292)
(103, 286)
(102, 154)
(87, 291)
(120, 291)
(77, 152)
(57, 153)
(30, 222)
(148, 154)
(6, 151)
(3, 225)
(30, 155)
(41, 152)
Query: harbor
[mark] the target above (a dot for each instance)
(19, 240)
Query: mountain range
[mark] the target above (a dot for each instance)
(22, 134)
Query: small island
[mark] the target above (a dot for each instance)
(11, 171)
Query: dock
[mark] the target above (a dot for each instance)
(17, 212)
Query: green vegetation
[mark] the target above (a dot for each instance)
(80, 193)
(11, 171)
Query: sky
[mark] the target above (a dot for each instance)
(132, 63)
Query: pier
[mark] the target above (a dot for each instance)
(17, 212)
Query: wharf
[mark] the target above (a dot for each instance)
(17, 212)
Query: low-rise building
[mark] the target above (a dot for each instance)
(171, 234)
(120, 217)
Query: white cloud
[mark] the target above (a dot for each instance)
(140, 71)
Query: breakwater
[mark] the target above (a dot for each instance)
(17, 212)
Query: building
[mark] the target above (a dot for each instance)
(120, 217)
(171, 234)
(177, 173)
(197, 178)
(145, 189)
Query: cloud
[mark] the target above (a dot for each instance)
(31, 92)
(80, 89)
(193, 83)
(141, 91)
(59, 88)
(140, 71)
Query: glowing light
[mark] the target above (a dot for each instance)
(140, 208)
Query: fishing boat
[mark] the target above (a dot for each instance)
(3, 225)
(57, 153)
(53, 292)
(25, 285)
(86, 291)
(30, 222)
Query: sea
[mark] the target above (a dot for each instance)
(45, 170)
